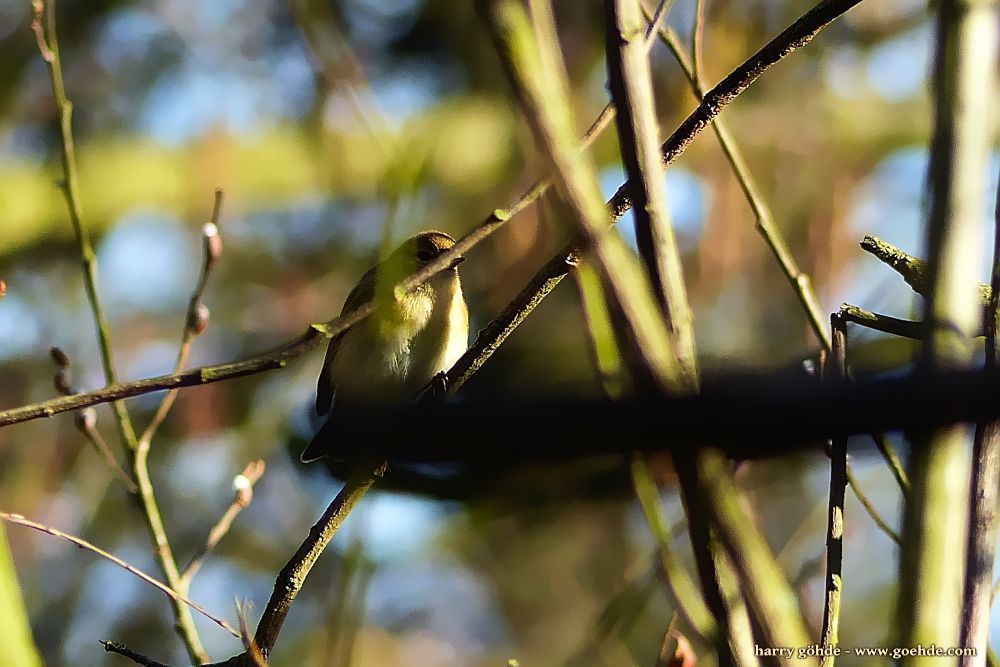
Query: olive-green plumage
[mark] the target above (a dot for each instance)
(390, 356)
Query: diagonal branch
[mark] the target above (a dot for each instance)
(800, 33)
(83, 544)
(243, 485)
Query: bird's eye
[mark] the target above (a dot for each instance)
(425, 255)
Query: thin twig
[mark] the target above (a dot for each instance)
(829, 633)
(243, 490)
(83, 544)
(682, 588)
(913, 269)
(137, 658)
(335, 59)
(883, 323)
(44, 24)
(535, 68)
(866, 502)
(85, 420)
(196, 319)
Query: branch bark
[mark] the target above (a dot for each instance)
(931, 573)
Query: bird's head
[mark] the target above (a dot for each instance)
(421, 249)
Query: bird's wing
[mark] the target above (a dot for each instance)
(362, 293)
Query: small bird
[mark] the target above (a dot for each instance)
(396, 352)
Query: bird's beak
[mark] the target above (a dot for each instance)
(455, 262)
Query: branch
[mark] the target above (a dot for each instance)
(883, 323)
(243, 485)
(631, 86)
(912, 269)
(981, 545)
(83, 544)
(293, 575)
(765, 415)
(929, 601)
(800, 33)
(44, 25)
(866, 502)
(829, 633)
(535, 69)
(86, 420)
(681, 587)
(766, 225)
(197, 316)
(137, 658)
(493, 335)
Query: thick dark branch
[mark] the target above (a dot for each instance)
(748, 417)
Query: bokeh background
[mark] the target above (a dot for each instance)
(331, 126)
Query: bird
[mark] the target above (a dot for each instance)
(401, 348)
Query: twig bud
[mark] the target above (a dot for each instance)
(213, 243)
(85, 419)
(198, 317)
(243, 488)
(61, 381)
(60, 358)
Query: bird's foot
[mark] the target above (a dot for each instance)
(436, 388)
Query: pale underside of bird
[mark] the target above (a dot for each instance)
(390, 357)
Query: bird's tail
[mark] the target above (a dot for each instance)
(322, 444)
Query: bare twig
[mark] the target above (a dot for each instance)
(534, 66)
(292, 576)
(83, 544)
(638, 135)
(681, 587)
(137, 658)
(243, 489)
(883, 323)
(866, 502)
(196, 319)
(768, 594)
(337, 62)
(913, 270)
(86, 420)
(981, 546)
(44, 24)
(829, 634)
